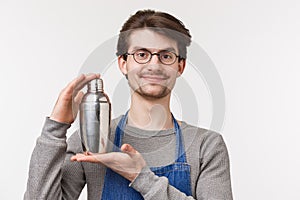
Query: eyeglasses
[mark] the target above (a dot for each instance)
(142, 56)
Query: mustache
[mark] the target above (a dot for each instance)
(153, 73)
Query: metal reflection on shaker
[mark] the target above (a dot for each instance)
(95, 117)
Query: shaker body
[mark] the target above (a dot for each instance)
(95, 114)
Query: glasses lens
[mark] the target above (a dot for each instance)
(167, 57)
(142, 56)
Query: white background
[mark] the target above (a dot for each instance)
(254, 44)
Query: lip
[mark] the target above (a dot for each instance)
(153, 78)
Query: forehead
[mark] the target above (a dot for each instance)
(145, 38)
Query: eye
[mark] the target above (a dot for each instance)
(141, 54)
(167, 55)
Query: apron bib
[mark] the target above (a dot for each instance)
(117, 187)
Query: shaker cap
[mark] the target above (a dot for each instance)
(95, 85)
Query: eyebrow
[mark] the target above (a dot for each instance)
(160, 50)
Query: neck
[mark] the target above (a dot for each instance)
(150, 114)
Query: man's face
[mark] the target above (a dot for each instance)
(152, 79)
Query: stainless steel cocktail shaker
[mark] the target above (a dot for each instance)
(95, 116)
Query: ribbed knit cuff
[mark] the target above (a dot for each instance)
(54, 130)
(144, 181)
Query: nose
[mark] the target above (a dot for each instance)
(154, 64)
(155, 59)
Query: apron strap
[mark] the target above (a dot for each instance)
(120, 133)
(180, 151)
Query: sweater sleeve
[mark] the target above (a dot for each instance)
(154, 187)
(50, 169)
(213, 182)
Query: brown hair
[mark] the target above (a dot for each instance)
(160, 22)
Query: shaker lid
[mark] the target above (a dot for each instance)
(95, 85)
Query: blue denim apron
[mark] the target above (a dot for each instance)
(117, 187)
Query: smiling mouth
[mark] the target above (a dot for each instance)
(153, 78)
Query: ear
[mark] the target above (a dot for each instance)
(122, 65)
(181, 66)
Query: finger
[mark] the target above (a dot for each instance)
(77, 156)
(70, 87)
(83, 82)
(91, 158)
(127, 148)
(76, 103)
(104, 158)
(78, 97)
(78, 83)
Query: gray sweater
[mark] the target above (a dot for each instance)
(53, 176)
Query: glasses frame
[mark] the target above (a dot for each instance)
(151, 55)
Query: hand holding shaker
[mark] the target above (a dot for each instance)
(95, 116)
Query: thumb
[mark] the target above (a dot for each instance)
(127, 148)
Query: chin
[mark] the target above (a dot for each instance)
(153, 93)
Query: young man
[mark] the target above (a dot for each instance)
(159, 157)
